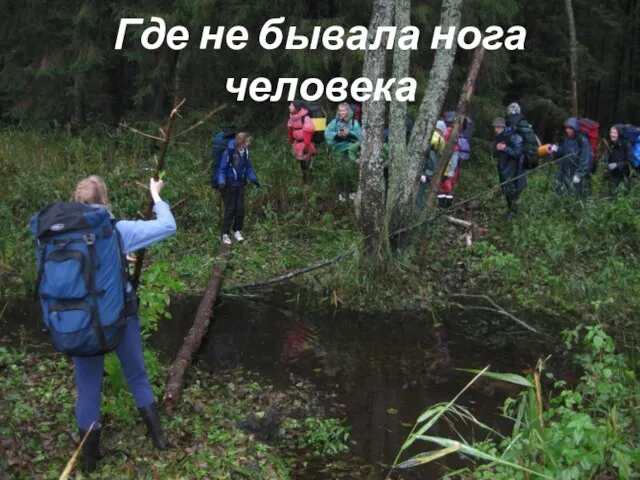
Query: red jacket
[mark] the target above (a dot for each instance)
(300, 132)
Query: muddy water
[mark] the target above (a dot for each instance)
(381, 371)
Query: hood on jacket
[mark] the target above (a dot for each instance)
(514, 109)
(572, 123)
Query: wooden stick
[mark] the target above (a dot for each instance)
(496, 308)
(295, 273)
(459, 222)
(465, 98)
(156, 175)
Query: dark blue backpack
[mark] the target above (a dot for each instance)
(82, 278)
(220, 144)
(631, 134)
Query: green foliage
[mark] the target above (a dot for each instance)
(589, 431)
(323, 436)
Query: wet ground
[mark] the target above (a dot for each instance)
(377, 372)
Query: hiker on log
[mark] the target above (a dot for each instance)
(235, 169)
(134, 234)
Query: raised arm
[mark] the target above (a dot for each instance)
(137, 234)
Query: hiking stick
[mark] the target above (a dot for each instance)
(166, 137)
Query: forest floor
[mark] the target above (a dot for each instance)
(227, 426)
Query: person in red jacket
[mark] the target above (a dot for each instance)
(300, 132)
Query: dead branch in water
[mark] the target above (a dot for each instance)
(496, 308)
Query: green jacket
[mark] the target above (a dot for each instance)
(331, 133)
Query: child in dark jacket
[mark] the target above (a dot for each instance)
(235, 169)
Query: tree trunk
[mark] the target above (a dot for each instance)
(406, 172)
(196, 334)
(461, 111)
(573, 46)
(373, 112)
(398, 110)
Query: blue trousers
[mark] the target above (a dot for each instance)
(90, 370)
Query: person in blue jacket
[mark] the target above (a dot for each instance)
(575, 168)
(135, 234)
(507, 150)
(232, 179)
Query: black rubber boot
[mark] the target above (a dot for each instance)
(90, 449)
(151, 419)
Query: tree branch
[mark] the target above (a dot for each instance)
(497, 308)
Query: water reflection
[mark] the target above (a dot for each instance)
(384, 370)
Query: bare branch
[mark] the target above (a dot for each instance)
(202, 120)
(497, 308)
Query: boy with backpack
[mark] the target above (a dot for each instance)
(530, 141)
(576, 168)
(507, 150)
(88, 303)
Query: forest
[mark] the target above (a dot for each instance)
(350, 334)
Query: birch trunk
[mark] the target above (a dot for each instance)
(371, 187)
(398, 110)
(405, 172)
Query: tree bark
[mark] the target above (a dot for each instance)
(193, 340)
(398, 110)
(461, 111)
(573, 46)
(405, 172)
(373, 112)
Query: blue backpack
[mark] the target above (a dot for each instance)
(631, 134)
(82, 278)
(221, 143)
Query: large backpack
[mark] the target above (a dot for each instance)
(82, 278)
(529, 144)
(319, 120)
(591, 129)
(356, 111)
(631, 134)
(220, 144)
(465, 135)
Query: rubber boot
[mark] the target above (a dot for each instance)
(151, 419)
(90, 449)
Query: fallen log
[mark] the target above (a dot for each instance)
(193, 340)
(459, 222)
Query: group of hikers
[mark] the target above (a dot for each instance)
(516, 149)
